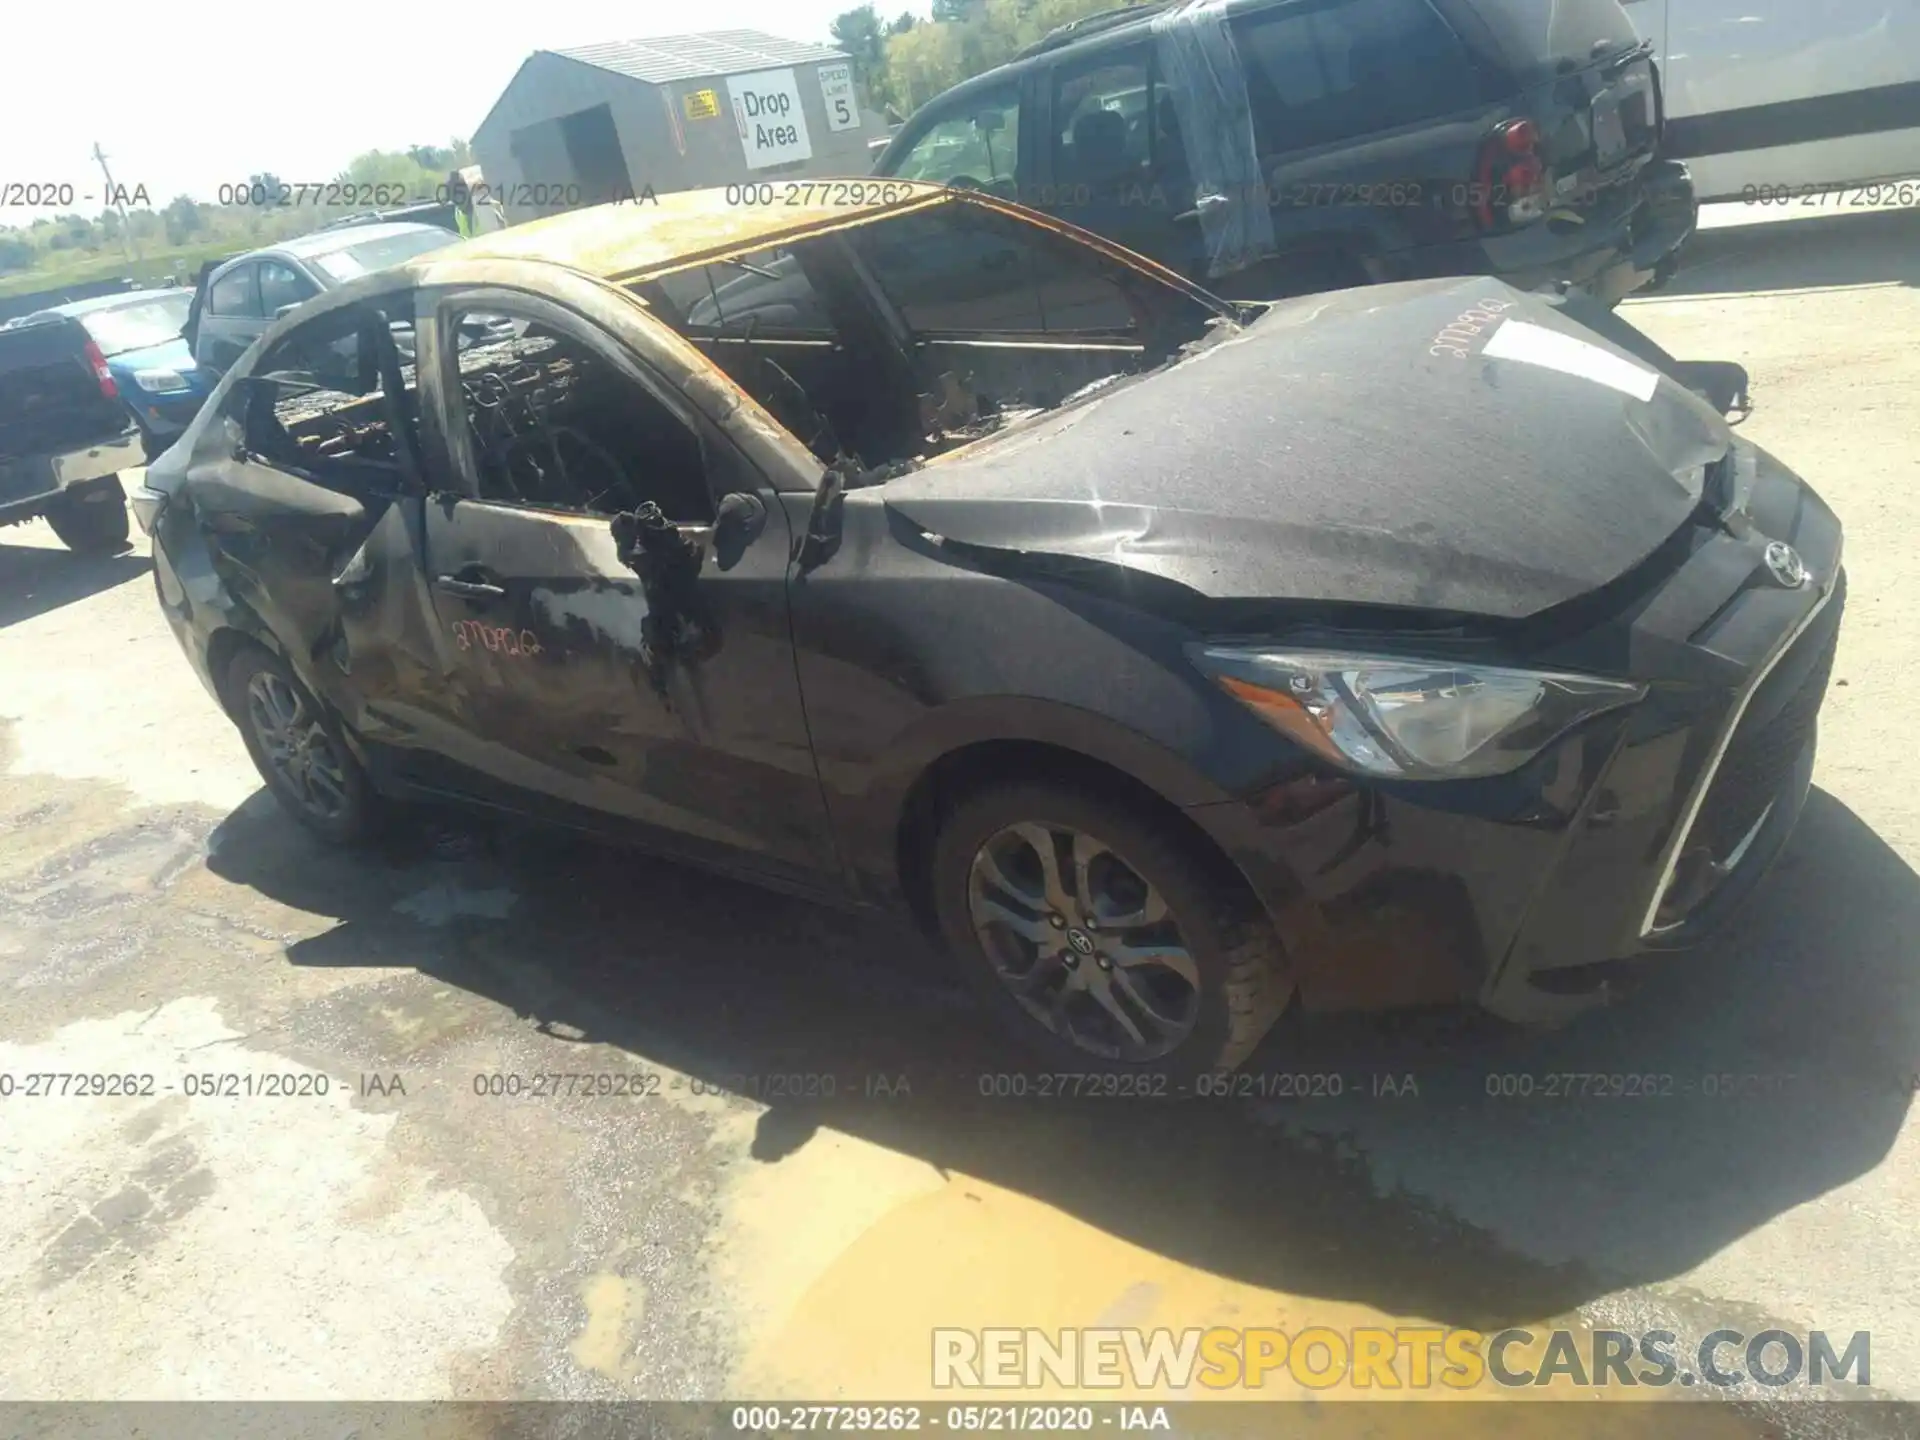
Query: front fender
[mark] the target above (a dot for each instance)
(206, 617)
(870, 808)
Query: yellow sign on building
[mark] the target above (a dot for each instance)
(702, 105)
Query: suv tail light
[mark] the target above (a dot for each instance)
(1511, 179)
(101, 374)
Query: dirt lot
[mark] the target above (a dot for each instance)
(405, 1235)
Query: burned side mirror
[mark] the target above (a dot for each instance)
(736, 525)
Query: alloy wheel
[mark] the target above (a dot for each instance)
(1083, 941)
(296, 745)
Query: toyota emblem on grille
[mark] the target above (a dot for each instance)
(1786, 566)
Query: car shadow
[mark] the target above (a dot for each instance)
(1413, 1189)
(1724, 1088)
(35, 579)
(1830, 250)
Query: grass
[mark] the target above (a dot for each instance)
(183, 260)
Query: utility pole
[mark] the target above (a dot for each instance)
(113, 198)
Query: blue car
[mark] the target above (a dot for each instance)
(139, 334)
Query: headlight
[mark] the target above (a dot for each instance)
(1407, 719)
(161, 382)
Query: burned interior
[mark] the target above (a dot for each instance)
(557, 422)
(554, 421)
(332, 400)
(999, 319)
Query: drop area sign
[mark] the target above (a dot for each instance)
(766, 107)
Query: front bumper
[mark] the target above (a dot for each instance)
(29, 483)
(1640, 831)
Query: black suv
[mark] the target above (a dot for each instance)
(1276, 147)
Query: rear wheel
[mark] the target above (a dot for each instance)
(1102, 941)
(297, 749)
(91, 518)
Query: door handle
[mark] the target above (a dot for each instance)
(469, 589)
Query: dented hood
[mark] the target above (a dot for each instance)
(1450, 444)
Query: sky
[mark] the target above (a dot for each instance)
(186, 97)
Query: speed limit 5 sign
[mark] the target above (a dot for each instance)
(836, 88)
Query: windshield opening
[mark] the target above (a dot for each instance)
(138, 326)
(1003, 320)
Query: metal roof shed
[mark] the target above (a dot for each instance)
(674, 112)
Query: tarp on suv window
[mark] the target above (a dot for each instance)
(1197, 55)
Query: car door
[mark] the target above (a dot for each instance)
(307, 489)
(1772, 101)
(656, 697)
(282, 287)
(1357, 108)
(973, 139)
(1114, 160)
(232, 319)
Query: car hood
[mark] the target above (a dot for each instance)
(1452, 445)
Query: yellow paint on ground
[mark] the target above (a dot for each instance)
(792, 1222)
(866, 1253)
(604, 1345)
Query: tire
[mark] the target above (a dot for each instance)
(91, 518)
(1229, 946)
(331, 797)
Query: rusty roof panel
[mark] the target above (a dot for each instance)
(634, 239)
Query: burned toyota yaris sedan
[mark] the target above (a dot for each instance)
(1167, 660)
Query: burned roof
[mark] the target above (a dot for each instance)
(661, 58)
(632, 239)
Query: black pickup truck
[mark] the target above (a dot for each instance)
(64, 436)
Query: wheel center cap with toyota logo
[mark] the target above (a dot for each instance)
(1785, 565)
(1081, 941)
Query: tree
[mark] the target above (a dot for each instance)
(968, 37)
(72, 232)
(923, 62)
(395, 178)
(144, 225)
(16, 252)
(902, 23)
(861, 35)
(182, 219)
(441, 160)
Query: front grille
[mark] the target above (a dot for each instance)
(1761, 756)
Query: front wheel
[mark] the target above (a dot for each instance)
(1101, 939)
(297, 749)
(91, 518)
